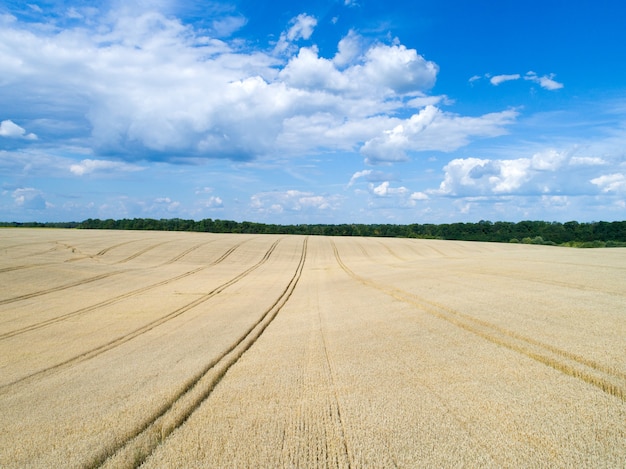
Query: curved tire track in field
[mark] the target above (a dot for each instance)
(31, 254)
(110, 248)
(140, 252)
(123, 296)
(143, 329)
(605, 378)
(188, 251)
(333, 383)
(59, 288)
(173, 414)
(21, 267)
(568, 355)
(391, 251)
(556, 283)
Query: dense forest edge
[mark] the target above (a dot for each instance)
(571, 234)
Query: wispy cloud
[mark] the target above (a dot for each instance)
(546, 81)
(302, 27)
(292, 201)
(89, 166)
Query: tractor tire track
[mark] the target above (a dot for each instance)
(121, 297)
(391, 252)
(141, 330)
(140, 252)
(135, 449)
(60, 287)
(333, 382)
(31, 254)
(21, 267)
(187, 251)
(583, 360)
(605, 378)
(556, 283)
(110, 248)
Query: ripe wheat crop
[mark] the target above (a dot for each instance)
(162, 349)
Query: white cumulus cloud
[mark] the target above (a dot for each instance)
(29, 198)
(292, 201)
(213, 202)
(611, 183)
(433, 129)
(497, 79)
(151, 87)
(10, 129)
(302, 27)
(385, 190)
(399, 69)
(348, 50)
(419, 196)
(546, 81)
(536, 174)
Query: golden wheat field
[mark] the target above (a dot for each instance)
(161, 349)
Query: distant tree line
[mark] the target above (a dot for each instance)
(36, 224)
(571, 233)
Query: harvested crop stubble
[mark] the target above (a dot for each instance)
(206, 350)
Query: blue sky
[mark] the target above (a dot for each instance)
(333, 111)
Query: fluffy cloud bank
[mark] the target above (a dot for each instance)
(433, 129)
(146, 86)
(292, 201)
(467, 177)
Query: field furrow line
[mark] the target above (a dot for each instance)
(118, 298)
(134, 450)
(331, 372)
(13, 246)
(391, 251)
(568, 355)
(110, 248)
(59, 288)
(557, 283)
(145, 328)
(21, 267)
(185, 252)
(363, 250)
(602, 377)
(30, 254)
(142, 251)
